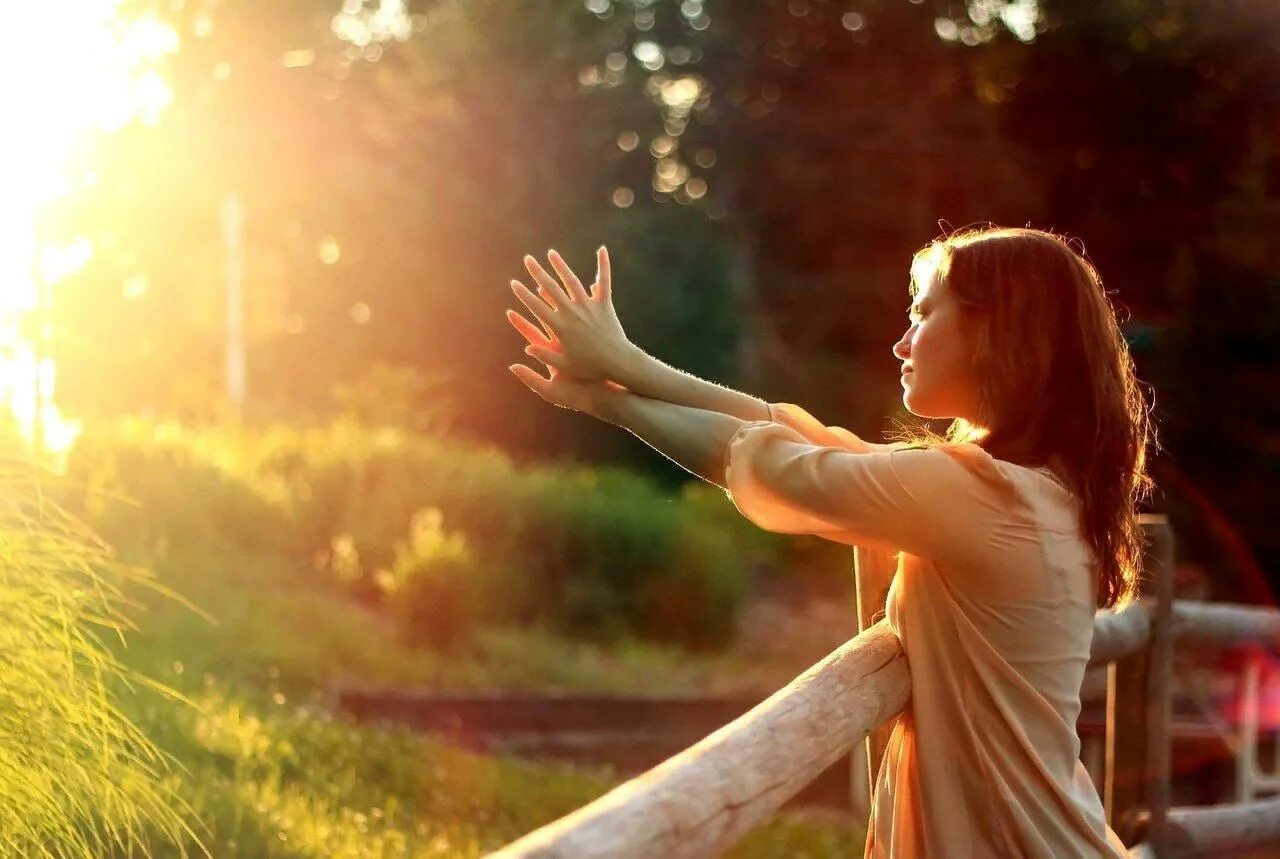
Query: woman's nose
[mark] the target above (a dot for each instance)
(901, 348)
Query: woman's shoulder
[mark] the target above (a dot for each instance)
(979, 461)
(815, 432)
(948, 472)
(956, 465)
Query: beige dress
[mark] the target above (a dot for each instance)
(993, 601)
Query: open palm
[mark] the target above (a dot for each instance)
(580, 334)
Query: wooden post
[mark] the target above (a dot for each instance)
(1138, 711)
(873, 571)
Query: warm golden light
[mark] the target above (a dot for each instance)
(70, 77)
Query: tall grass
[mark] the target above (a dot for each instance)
(77, 778)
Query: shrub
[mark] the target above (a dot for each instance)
(598, 552)
(431, 588)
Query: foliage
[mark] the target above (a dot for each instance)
(442, 537)
(265, 767)
(432, 586)
(79, 777)
(393, 176)
(399, 396)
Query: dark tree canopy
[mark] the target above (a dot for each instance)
(762, 173)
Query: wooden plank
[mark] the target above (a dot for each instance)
(1222, 829)
(1159, 712)
(1226, 625)
(704, 799)
(873, 572)
(1138, 704)
(1126, 753)
(1117, 634)
(1221, 626)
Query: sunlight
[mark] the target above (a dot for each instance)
(68, 77)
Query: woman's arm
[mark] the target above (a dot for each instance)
(645, 375)
(581, 335)
(693, 438)
(649, 377)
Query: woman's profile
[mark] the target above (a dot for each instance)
(1012, 530)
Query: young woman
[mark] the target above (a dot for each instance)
(1011, 531)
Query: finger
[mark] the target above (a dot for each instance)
(536, 305)
(603, 289)
(547, 356)
(571, 282)
(528, 330)
(546, 281)
(535, 382)
(547, 297)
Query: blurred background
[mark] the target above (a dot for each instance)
(254, 258)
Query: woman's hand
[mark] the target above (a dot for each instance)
(583, 338)
(581, 395)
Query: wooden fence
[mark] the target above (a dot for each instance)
(700, 801)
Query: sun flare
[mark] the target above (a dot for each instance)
(69, 79)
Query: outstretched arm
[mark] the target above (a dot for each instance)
(581, 338)
(650, 377)
(694, 439)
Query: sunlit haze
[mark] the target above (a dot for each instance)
(70, 78)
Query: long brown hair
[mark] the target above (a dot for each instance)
(1056, 381)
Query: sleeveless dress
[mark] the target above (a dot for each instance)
(993, 602)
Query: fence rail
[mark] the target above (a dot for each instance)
(700, 801)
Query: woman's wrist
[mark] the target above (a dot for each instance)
(629, 367)
(606, 401)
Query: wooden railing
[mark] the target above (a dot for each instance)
(702, 800)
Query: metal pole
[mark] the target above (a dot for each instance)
(233, 235)
(37, 354)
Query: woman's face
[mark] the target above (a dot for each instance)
(936, 352)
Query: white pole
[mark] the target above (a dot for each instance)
(37, 354)
(233, 235)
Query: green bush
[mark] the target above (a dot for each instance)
(431, 588)
(148, 486)
(596, 552)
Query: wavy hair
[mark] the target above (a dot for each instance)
(1057, 386)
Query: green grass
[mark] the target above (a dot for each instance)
(273, 773)
(77, 777)
(271, 777)
(268, 776)
(258, 640)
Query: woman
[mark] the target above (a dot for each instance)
(1011, 531)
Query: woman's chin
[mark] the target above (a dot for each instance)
(921, 410)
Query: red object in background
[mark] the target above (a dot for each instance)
(1230, 683)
